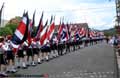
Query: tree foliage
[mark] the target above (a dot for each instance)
(110, 32)
(5, 31)
(10, 27)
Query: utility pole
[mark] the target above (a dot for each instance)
(117, 21)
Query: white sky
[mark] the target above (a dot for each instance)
(98, 14)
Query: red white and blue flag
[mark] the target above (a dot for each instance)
(82, 32)
(43, 35)
(51, 28)
(76, 34)
(39, 28)
(30, 28)
(21, 32)
(92, 34)
(63, 33)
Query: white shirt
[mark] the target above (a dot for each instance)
(111, 41)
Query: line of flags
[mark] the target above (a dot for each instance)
(45, 33)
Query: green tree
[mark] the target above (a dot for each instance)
(12, 26)
(110, 32)
(4, 31)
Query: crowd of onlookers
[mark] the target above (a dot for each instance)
(115, 42)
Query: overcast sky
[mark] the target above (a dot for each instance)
(99, 14)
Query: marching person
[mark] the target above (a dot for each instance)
(30, 54)
(39, 51)
(10, 58)
(45, 49)
(53, 46)
(25, 47)
(35, 51)
(21, 57)
(2, 58)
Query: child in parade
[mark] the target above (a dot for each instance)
(2, 58)
(10, 58)
(38, 45)
(21, 57)
(35, 51)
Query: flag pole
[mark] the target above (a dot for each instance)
(1, 15)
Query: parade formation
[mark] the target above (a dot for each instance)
(45, 45)
(25, 48)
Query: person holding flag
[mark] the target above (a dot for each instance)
(17, 39)
(3, 62)
(37, 39)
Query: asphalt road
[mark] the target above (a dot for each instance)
(90, 62)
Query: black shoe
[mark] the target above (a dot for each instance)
(39, 62)
(18, 67)
(3, 75)
(27, 65)
(7, 71)
(47, 60)
(24, 67)
(13, 71)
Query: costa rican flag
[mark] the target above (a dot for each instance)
(39, 28)
(63, 33)
(51, 29)
(76, 34)
(30, 29)
(82, 32)
(43, 35)
(60, 28)
(21, 32)
(92, 34)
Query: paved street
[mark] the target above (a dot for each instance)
(90, 62)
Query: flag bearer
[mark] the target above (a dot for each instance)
(35, 51)
(39, 51)
(2, 58)
(21, 57)
(30, 55)
(10, 58)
